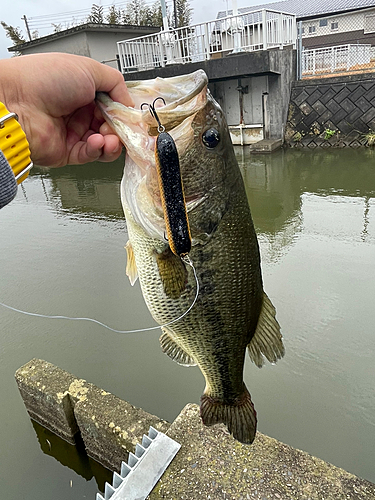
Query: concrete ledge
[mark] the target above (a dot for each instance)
(213, 465)
(49, 394)
(66, 405)
(266, 146)
(210, 464)
(111, 427)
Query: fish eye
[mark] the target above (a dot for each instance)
(211, 138)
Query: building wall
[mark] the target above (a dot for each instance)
(76, 43)
(103, 45)
(353, 27)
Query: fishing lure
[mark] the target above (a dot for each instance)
(171, 188)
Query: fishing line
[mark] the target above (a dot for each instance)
(186, 259)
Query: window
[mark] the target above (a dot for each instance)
(323, 22)
(335, 26)
(302, 31)
(312, 29)
(369, 23)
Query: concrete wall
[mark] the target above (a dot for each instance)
(345, 105)
(76, 43)
(103, 45)
(264, 71)
(279, 90)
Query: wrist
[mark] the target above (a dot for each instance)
(13, 144)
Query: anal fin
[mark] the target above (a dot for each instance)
(174, 351)
(267, 340)
(131, 267)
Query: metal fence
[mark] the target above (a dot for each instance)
(333, 45)
(257, 30)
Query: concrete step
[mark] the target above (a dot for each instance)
(266, 146)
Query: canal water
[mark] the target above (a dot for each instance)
(62, 253)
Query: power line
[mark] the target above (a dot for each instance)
(78, 17)
(88, 11)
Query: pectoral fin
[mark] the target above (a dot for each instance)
(267, 340)
(174, 351)
(173, 273)
(131, 267)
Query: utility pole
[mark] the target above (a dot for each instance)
(164, 14)
(24, 18)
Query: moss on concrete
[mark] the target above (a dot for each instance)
(213, 465)
(111, 427)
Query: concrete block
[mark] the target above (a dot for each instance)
(266, 146)
(66, 405)
(50, 394)
(213, 465)
(111, 427)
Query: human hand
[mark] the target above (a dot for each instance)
(53, 95)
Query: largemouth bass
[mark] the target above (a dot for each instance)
(231, 312)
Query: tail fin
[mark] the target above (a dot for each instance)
(240, 417)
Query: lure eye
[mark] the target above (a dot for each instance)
(211, 138)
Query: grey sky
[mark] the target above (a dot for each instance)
(15, 9)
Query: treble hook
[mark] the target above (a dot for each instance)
(154, 114)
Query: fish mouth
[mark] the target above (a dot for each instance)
(184, 97)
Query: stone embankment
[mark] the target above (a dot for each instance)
(332, 112)
(210, 464)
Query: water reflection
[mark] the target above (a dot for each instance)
(278, 184)
(91, 191)
(71, 456)
(314, 212)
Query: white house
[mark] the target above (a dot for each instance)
(326, 22)
(98, 41)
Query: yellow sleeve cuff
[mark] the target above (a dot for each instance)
(14, 145)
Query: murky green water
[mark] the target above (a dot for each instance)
(61, 252)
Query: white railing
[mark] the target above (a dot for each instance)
(258, 30)
(335, 59)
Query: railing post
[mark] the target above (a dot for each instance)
(160, 41)
(281, 30)
(294, 31)
(207, 42)
(299, 50)
(264, 28)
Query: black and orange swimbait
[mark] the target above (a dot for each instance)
(171, 189)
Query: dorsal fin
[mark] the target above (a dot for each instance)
(267, 340)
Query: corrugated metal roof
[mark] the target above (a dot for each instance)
(304, 8)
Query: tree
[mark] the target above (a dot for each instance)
(96, 15)
(156, 15)
(15, 34)
(114, 15)
(184, 13)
